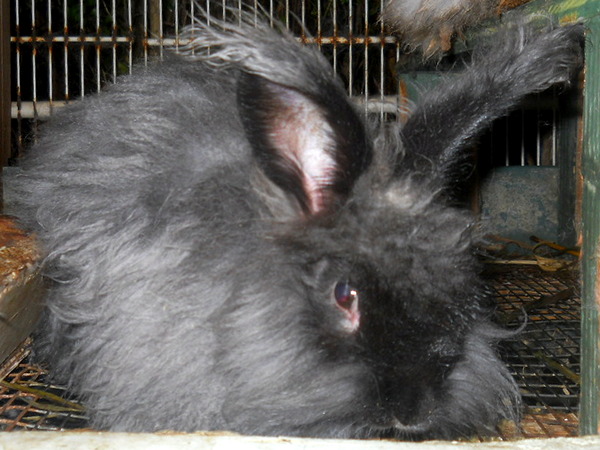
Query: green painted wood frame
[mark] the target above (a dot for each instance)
(589, 11)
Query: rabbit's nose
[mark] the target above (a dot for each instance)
(414, 406)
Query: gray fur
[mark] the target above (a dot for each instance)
(432, 24)
(197, 215)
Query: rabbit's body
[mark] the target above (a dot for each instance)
(230, 247)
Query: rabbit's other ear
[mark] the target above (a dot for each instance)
(521, 60)
(312, 148)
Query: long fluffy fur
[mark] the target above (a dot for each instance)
(501, 73)
(191, 260)
(432, 25)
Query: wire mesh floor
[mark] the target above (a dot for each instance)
(543, 358)
(29, 402)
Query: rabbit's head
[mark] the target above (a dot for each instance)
(382, 274)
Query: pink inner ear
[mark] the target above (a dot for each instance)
(302, 135)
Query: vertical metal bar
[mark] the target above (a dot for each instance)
(115, 31)
(538, 133)
(81, 50)
(287, 14)
(66, 50)
(208, 12)
(176, 24)
(18, 77)
(130, 30)
(402, 95)
(98, 48)
(319, 25)
(155, 24)
(5, 100)
(34, 63)
(350, 47)
(522, 137)
(160, 28)
(554, 127)
(506, 144)
(491, 141)
(145, 24)
(303, 16)
(335, 35)
(50, 58)
(381, 63)
(366, 50)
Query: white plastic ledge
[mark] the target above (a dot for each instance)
(40, 440)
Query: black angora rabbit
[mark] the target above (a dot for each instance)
(230, 247)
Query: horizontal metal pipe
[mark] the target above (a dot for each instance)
(44, 109)
(34, 110)
(326, 40)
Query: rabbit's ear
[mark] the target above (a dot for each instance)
(521, 60)
(313, 148)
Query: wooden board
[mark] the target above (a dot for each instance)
(20, 286)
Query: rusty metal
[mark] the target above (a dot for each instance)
(175, 42)
(31, 409)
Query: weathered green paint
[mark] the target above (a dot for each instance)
(589, 11)
(590, 361)
(520, 201)
(565, 8)
(569, 6)
(567, 151)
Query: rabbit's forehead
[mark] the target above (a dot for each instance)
(412, 249)
(408, 222)
(408, 195)
(409, 252)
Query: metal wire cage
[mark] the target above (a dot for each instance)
(68, 49)
(62, 50)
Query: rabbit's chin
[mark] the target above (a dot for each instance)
(398, 429)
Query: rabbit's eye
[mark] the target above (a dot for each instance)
(345, 295)
(346, 298)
